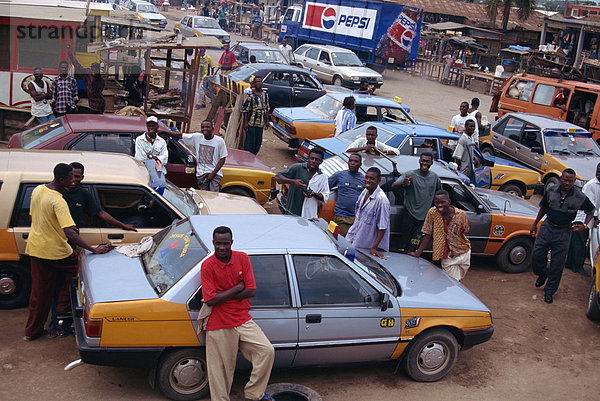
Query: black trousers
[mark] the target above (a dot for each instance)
(555, 240)
(577, 250)
(411, 231)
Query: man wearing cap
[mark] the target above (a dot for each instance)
(94, 84)
(151, 150)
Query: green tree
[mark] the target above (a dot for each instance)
(525, 8)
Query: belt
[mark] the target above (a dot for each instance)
(559, 225)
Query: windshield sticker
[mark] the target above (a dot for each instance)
(163, 252)
(185, 247)
(174, 245)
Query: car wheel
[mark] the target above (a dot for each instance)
(238, 191)
(488, 150)
(512, 189)
(182, 374)
(299, 65)
(15, 285)
(431, 355)
(515, 255)
(550, 182)
(292, 392)
(337, 81)
(592, 308)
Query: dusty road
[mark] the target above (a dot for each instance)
(538, 351)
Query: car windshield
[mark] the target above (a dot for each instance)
(242, 73)
(376, 271)
(175, 250)
(325, 107)
(268, 56)
(206, 23)
(345, 59)
(358, 132)
(576, 144)
(180, 199)
(147, 8)
(41, 133)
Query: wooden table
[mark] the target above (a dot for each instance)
(493, 82)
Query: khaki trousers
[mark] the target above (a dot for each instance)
(221, 353)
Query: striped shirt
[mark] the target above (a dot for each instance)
(257, 105)
(344, 120)
(64, 91)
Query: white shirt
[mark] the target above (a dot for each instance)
(362, 142)
(40, 108)
(319, 183)
(458, 122)
(158, 148)
(208, 152)
(288, 53)
(591, 189)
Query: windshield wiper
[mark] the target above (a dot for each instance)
(563, 152)
(586, 152)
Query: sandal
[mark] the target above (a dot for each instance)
(31, 338)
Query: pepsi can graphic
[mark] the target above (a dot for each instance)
(397, 42)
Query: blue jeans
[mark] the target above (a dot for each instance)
(45, 119)
(157, 178)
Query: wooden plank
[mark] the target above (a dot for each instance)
(234, 138)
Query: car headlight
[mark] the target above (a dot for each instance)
(355, 78)
(579, 183)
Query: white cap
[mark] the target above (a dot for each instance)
(152, 119)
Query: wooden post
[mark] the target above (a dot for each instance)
(168, 72)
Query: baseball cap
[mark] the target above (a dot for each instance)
(152, 119)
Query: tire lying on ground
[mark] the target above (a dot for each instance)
(292, 392)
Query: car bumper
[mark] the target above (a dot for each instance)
(107, 356)
(282, 134)
(356, 84)
(477, 337)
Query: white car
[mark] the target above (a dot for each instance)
(195, 25)
(146, 12)
(336, 65)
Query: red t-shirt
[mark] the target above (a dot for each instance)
(227, 60)
(218, 276)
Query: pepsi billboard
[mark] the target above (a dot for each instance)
(340, 20)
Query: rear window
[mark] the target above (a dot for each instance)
(41, 133)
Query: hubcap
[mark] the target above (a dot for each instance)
(7, 286)
(517, 255)
(188, 375)
(432, 356)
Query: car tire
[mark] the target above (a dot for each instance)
(512, 189)
(592, 308)
(299, 65)
(181, 374)
(292, 392)
(337, 80)
(238, 191)
(15, 285)
(550, 182)
(488, 150)
(515, 255)
(431, 355)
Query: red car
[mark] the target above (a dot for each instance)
(243, 173)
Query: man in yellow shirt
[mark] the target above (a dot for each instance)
(51, 227)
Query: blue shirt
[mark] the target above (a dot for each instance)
(349, 186)
(371, 216)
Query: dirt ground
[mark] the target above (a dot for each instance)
(538, 351)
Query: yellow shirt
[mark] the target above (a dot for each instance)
(49, 215)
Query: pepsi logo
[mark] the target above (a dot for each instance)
(328, 19)
(407, 37)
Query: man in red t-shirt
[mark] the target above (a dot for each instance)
(227, 284)
(227, 60)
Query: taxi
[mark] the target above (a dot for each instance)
(545, 144)
(312, 289)
(120, 185)
(592, 307)
(499, 221)
(196, 25)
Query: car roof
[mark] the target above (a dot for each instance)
(110, 122)
(281, 232)
(109, 168)
(330, 48)
(363, 99)
(276, 67)
(545, 122)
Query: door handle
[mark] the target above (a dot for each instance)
(517, 147)
(25, 235)
(313, 318)
(116, 236)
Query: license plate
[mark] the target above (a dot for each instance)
(280, 122)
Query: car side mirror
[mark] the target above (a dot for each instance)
(385, 300)
(479, 209)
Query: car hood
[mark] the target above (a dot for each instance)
(242, 159)
(221, 203)
(362, 72)
(115, 277)
(500, 201)
(426, 286)
(584, 166)
(212, 32)
(152, 16)
(332, 145)
(296, 114)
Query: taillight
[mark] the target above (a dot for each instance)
(93, 327)
(291, 129)
(274, 119)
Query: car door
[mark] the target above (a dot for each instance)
(529, 151)
(340, 315)
(21, 220)
(181, 165)
(324, 67)
(310, 61)
(279, 88)
(184, 27)
(481, 175)
(506, 136)
(305, 89)
(396, 198)
(133, 205)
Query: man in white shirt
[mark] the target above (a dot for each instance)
(287, 51)
(210, 152)
(577, 246)
(316, 192)
(151, 150)
(458, 121)
(370, 144)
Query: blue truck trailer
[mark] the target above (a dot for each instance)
(379, 32)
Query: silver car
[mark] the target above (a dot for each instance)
(318, 300)
(195, 25)
(336, 65)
